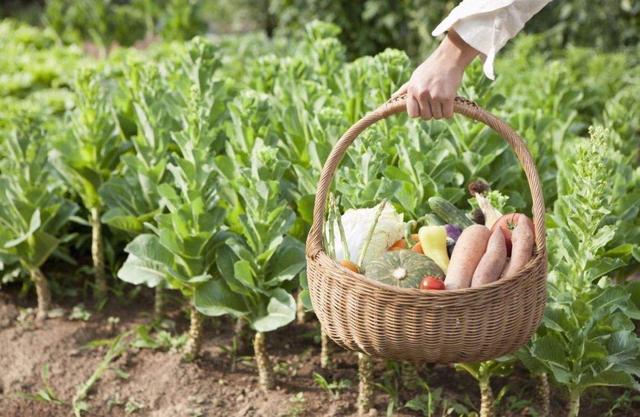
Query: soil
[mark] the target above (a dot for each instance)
(158, 383)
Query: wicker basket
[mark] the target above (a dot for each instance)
(465, 325)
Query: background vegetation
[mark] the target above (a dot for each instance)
(133, 153)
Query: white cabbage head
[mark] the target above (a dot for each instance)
(357, 222)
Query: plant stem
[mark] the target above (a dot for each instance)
(574, 403)
(265, 376)
(301, 314)
(158, 305)
(325, 347)
(409, 375)
(241, 336)
(486, 398)
(544, 395)
(192, 348)
(365, 391)
(97, 254)
(43, 293)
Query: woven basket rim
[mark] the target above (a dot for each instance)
(363, 279)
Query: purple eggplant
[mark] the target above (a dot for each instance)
(453, 233)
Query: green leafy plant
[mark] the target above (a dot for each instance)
(482, 372)
(88, 154)
(333, 388)
(116, 347)
(33, 207)
(185, 237)
(260, 263)
(46, 394)
(587, 337)
(426, 402)
(131, 196)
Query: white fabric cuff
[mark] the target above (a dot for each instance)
(488, 25)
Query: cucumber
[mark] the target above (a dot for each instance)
(449, 213)
(431, 219)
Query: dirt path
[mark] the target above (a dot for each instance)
(156, 383)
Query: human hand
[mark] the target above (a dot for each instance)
(433, 85)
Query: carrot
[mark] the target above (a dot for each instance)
(492, 262)
(418, 248)
(466, 255)
(521, 249)
(400, 244)
(349, 265)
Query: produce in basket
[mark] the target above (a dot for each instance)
(492, 262)
(507, 224)
(399, 245)
(449, 213)
(522, 249)
(349, 265)
(433, 240)
(466, 255)
(402, 268)
(357, 223)
(429, 282)
(453, 233)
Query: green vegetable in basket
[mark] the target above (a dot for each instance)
(402, 268)
(449, 213)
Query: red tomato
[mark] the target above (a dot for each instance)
(430, 282)
(507, 223)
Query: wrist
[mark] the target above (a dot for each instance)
(456, 51)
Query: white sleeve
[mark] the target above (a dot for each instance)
(487, 25)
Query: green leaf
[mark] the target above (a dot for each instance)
(244, 273)
(287, 262)
(34, 224)
(281, 311)
(199, 279)
(609, 377)
(36, 250)
(148, 247)
(551, 349)
(141, 271)
(118, 218)
(215, 298)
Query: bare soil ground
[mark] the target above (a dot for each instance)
(155, 383)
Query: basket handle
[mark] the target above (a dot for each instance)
(397, 105)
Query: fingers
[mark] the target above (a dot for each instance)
(425, 110)
(421, 103)
(400, 91)
(436, 109)
(413, 108)
(447, 109)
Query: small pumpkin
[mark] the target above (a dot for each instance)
(402, 268)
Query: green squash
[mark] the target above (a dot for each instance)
(402, 268)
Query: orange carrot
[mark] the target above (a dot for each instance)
(349, 265)
(418, 248)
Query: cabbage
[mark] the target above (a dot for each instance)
(358, 222)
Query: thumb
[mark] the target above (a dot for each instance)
(400, 91)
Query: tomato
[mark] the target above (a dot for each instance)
(429, 282)
(507, 223)
(401, 244)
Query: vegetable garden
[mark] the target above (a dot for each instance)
(156, 200)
